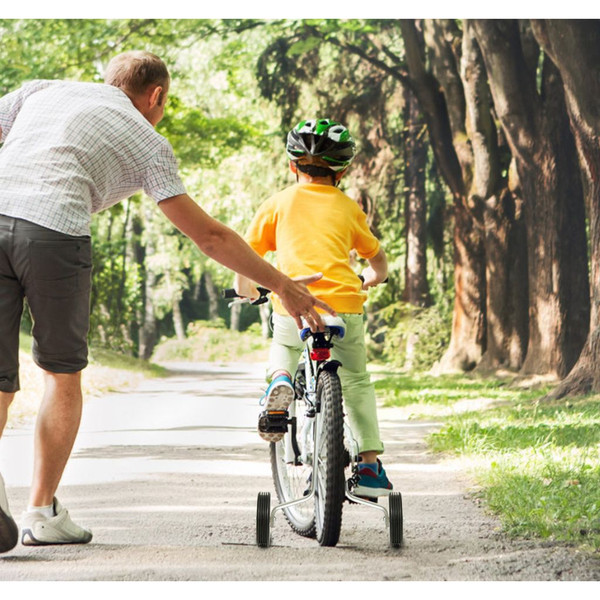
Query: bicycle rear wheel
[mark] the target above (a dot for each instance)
(292, 473)
(330, 460)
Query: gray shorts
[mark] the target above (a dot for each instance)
(53, 271)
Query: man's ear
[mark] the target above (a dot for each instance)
(156, 96)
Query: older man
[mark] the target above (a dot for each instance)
(70, 150)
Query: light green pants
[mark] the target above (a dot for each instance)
(357, 389)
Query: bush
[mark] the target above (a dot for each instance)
(210, 342)
(419, 337)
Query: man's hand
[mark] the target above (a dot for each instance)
(301, 304)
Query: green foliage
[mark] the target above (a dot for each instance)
(548, 494)
(421, 389)
(102, 357)
(116, 298)
(420, 335)
(209, 343)
(538, 464)
(237, 86)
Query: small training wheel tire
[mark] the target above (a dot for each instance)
(263, 520)
(396, 519)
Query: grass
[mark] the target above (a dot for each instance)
(536, 463)
(207, 343)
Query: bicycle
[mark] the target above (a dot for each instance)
(317, 448)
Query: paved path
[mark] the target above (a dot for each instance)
(167, 476)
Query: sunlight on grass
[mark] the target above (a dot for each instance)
(538, 465)
(213, 344)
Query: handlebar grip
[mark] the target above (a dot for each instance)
(363, 279)
(231, 293)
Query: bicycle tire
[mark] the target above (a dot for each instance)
(291, 480)
(396, 519)
(263, 520)
(330, 460)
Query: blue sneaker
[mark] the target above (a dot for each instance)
(371, 484)
(272, 422)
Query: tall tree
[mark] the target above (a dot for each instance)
(536, 125)
(416, 285)
(574, 47)
(503, 224)
(440, 94)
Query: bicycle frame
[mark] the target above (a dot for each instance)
(313, 365)
(316, 355)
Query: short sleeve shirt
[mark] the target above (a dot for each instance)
(313, 228)
(71, 149)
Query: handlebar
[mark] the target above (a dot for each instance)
(230, 293)
(264, 292)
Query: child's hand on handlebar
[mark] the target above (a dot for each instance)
(245, 288)
(370, 278)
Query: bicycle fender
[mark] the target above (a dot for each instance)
(331, 365)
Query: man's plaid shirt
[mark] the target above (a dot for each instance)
(72, 149)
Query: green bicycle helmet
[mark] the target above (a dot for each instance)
(322, 138)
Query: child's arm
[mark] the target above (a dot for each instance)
(245, 287)
(376, 272)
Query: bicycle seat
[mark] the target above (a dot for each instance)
(334, 325)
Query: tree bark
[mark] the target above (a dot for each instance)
(574, 47)
(453, 158)
(236, 313)
(213, 296)
(504, 240)
(537, 131)
(178, 322)
(416, 286)
(146, 320)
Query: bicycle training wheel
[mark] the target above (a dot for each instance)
(263, 520)
(396, 519)
(291, 466)
(331, 460)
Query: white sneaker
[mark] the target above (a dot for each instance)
(38, 530)
(9, 532)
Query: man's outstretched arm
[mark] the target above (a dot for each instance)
(224, 245)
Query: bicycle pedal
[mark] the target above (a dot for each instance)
(273, 421)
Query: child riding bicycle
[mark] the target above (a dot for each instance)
(313, 227)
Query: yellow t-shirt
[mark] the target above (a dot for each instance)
(313, 228)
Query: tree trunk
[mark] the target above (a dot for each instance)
(213, 296)
(146, 320)
(504, 241)
(537, 131)
(178, 322)
(574, 47)
(416, 286)
(453, 159)
(236, 313)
